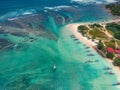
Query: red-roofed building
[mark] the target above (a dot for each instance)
(117, 51)
(110, 50)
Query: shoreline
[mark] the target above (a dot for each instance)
(73, 28)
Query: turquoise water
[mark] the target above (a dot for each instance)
(30, 67)
(34, 37)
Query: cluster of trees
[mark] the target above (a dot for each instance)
(117, 61)
(95, 25)
(117, 35)
(83, 29)
(100, 45)
(114, 8)
(115, 28)
(110, 55)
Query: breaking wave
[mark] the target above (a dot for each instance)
(94, 1)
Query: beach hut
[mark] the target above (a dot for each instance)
(110, 50)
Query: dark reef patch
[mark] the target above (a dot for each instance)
(42, 24)
(23, 34)
(24, 26)
(12, 23)
(6, 44)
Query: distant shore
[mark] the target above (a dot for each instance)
(74, 28)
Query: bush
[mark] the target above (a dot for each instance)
(82, 32)
(114, 8)
(114, 27)
(117, 35)
(97, 25)
(82, 27)
(100, 46)
(110, 55)
(117, 61)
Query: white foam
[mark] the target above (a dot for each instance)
(57, 7)
(94, 1)
(12, 18)
(27, 13)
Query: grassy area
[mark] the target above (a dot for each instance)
(111, 32)
(110, 44)
(118, 42)
(97, 33)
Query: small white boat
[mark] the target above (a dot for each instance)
(54, 67)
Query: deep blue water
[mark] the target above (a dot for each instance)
(11, 5)
(87, 11)
(33, 38)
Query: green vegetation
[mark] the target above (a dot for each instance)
(93, 38)
(97, 33)
(110, 44)
(114, 8)
(100, 45)
(110, 32)
(117, 35)
(83, 29)
(118, 42)
(110, 55)
(117, 61)
(115, 29)
(95, 25)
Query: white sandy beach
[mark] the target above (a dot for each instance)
(90, 43)
(109, 21)
(79, 36)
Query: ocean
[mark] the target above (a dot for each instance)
(33, 38)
